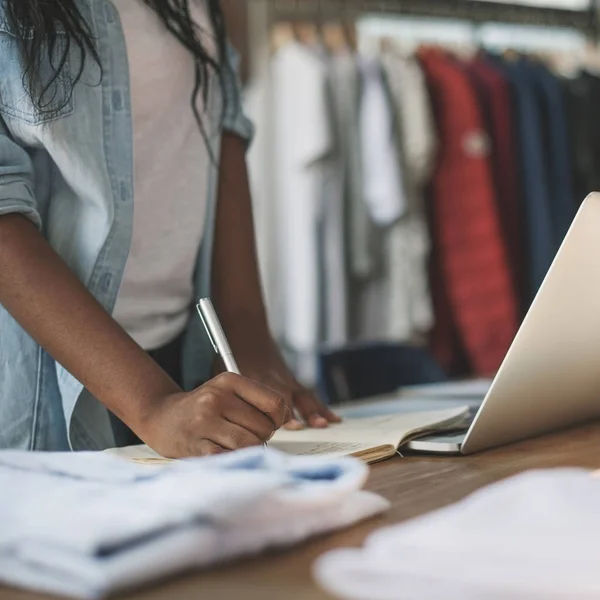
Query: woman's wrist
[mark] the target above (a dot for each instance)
(137, 399)
(249, 338)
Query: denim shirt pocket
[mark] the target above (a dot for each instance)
(54, 86)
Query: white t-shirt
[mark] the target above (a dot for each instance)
(171, 165)
(383, 186)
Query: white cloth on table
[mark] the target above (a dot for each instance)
(534, 536)
(90, 524)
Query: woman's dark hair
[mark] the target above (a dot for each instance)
(39, 25)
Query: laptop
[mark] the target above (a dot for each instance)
(550, 377)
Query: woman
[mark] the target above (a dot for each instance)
(97, 281)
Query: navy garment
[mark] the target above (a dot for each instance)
(583, 100)
(533, 172)
(551, 102)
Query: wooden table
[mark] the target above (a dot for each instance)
(414, 485)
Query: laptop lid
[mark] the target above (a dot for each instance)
(550, 378)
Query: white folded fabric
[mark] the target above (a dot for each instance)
(90, 524)
(536, 536)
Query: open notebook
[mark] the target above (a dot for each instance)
(371, 439)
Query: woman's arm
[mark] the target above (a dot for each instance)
(46, 298)
(236, 284)
(237, 291)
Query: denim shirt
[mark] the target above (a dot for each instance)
(71, 174)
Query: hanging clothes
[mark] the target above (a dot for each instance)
(417, 195)
(346, 91)
(303, 140)
(533, 175)
(494, 96)
(353, 231)
(472, 254)
(258, 105)
(334, 275)
(551, 105)
(333, 288)
(582, 103)
(409, 305)
(383, 194)
(594, 90)
(382, 178)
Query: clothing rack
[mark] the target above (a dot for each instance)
(471, 10)
(286, 20)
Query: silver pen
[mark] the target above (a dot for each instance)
(216, 334)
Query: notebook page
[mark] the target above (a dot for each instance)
(141, 454)
(144, 455)
(382, 430)
(330, 449)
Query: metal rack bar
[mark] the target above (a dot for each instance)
(472, 10)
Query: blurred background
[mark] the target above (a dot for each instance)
(415, 169)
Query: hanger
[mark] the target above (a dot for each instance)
(334, 38)
(478, 39)
(350, 34)
(306, 33)
(591, 58)
(387, 45)
(511, 55)
(282, 34)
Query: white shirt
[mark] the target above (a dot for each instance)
(171, 165)
(90, 525)
(383, 185)
(303, 140)
(533, 536)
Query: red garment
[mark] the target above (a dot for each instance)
(493, 93)
(475, 276)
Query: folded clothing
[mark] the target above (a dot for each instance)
(90, 524)
(533, 536)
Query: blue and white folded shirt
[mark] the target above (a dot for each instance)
(90, 524)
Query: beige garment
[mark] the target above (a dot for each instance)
(171, 165)
(410, 310)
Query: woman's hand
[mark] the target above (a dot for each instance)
(301, 402)
(227, 413)
(259, 359)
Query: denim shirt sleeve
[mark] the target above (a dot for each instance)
(16, 179)
(234, 119)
